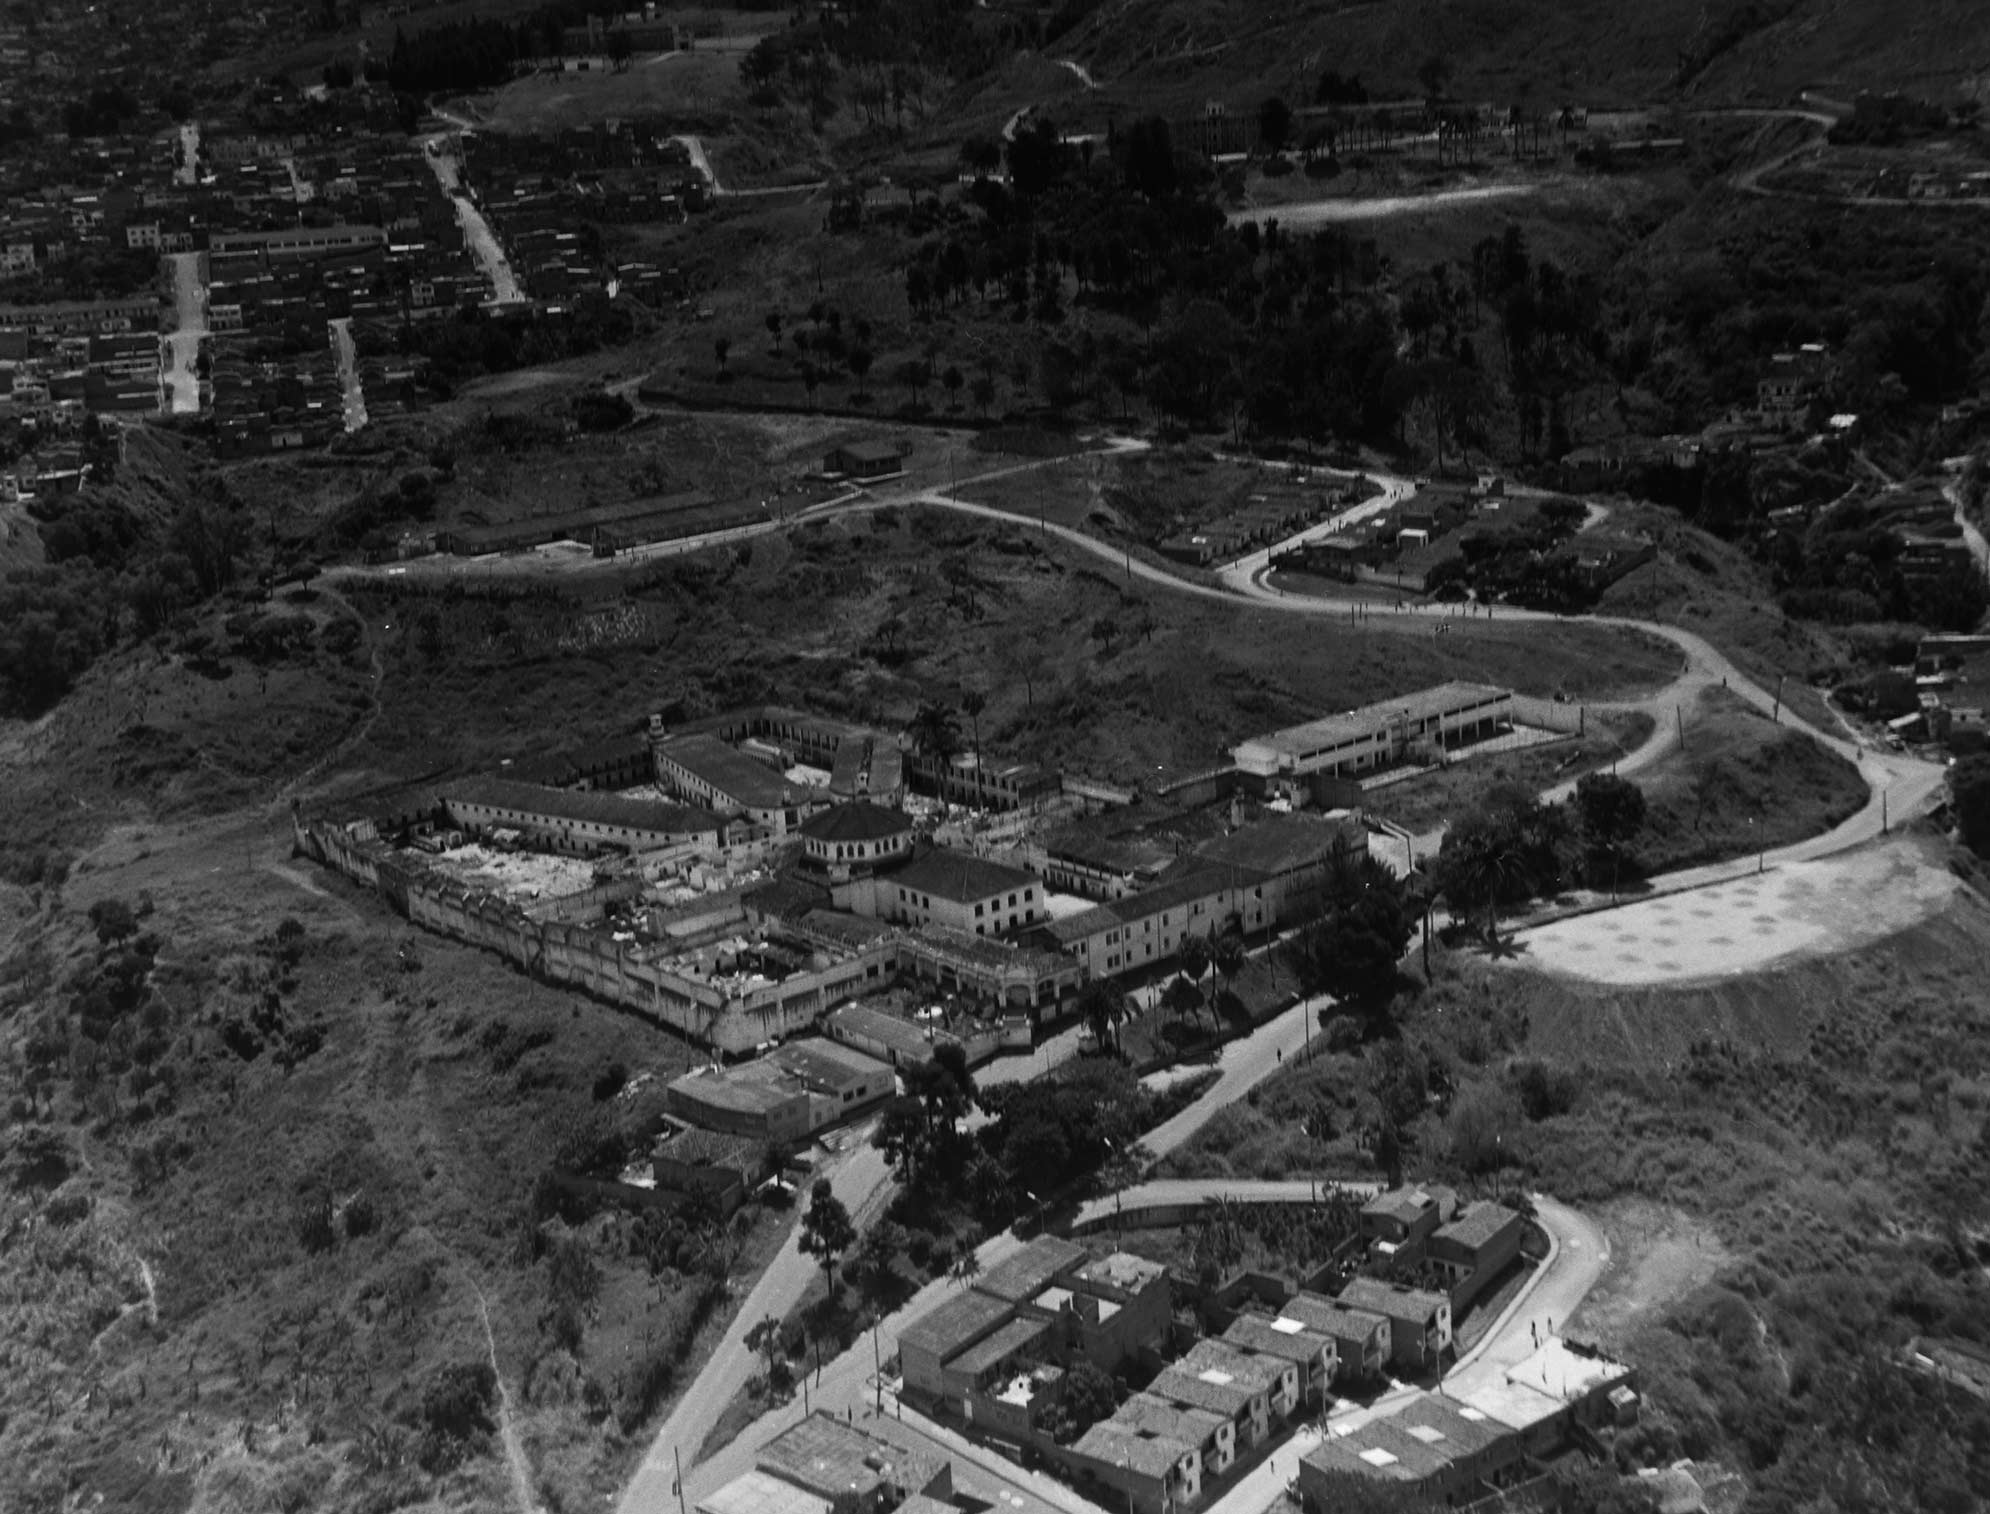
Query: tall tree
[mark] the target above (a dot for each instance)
(826, 1230)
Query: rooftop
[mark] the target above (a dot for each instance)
(1157, 1416)
(1478, 1224)
(1121, 1445)
(758, 1493)
(742, 779)
(1026, 1274)
(1404, 1204)
(900, 1036)
(756, 1088)
(1122, 1271)
(711, 1148)
(959, 876)
(951, 1327)
(829, 1063)
(1301, 741)
(1255, 1333)
(826, 1456)
(592, 808)
(1332, 1317)
(860, 820)
(1392, 1300)
(1013, 1339)
(1279, 843)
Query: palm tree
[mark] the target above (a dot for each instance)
(1104, 1009)
(936, 731)
(972, 703)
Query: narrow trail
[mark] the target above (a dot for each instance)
(514, 1448)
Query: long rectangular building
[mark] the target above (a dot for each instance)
(704, 770)
(577, 818)
(1375, 735)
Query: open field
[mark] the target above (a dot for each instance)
(1123, 680)
(1432, 799)
(702, 85)
(1740, 784)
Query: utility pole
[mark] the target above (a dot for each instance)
(1776, 710)
(678, 1486)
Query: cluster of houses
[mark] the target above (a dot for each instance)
(308, 222)
(537, 191)
(1210, 1378)
(63, 359)
(1265, 516)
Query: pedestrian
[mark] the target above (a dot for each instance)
(1281, 1053)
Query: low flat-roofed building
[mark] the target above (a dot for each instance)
(1024, 1275)
(1419, 1321)
(1375, 735)
(996, 1359)
(942, 1333)
(758, 1493)
(897, 1042)
(858, 1473)
(759, 1100)
(841, 1080)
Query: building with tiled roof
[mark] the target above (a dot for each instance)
(704, 770)
(575, 819)
(945, 887)
(846, 840)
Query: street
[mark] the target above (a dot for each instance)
(476, 230)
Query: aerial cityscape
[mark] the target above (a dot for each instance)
(1039, 756)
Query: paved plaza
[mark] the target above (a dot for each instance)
(1795, 908)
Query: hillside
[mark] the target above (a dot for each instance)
(1590, 51)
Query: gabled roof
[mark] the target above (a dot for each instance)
(959, 876)
(592, 808)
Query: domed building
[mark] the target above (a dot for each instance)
(852, 840)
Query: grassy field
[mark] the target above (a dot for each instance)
(1740, 784)
(701, 87)
(1705, 585)
(1082, 669)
